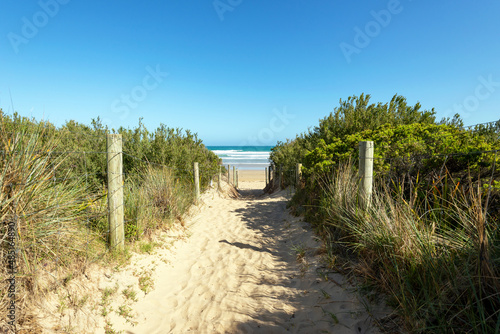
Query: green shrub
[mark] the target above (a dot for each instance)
(48, 204)
(430, 240)
(54, 181)
(439, 278)
(154, 199)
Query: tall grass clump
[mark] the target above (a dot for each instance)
(53, 185)
(438, 266)
(48, 206)
(430, 238)
(155, 199)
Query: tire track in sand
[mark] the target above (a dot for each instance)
(238, 274)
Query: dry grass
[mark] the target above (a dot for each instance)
(155, 199)
(59, 202)
(49, 209)
(439, 267)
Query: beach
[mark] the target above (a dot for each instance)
(243, 157)
(256, 178)
(241, 265)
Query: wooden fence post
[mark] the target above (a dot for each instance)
(115, 191)
(219, 180)
(273, 174)
(267, 181)
(280, 176)
(365, 172)
(228, 174)
(298, 176)
(197, 182)
(236, 182)
(234, 176)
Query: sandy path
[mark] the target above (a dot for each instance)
(237, 273)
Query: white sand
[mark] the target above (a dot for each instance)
(237, 272)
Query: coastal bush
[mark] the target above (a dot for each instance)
(352, 116)
(154, 199)
(47, 206)
(440, 278)
(53, 183)
(430, 239)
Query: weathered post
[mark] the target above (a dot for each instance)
(274, 174)
(219, 180)
(267, 181)
(236, 182)
(365, 173)
(228, 174)
(115, 191)
(234, 176)
(197, 182)
(280, 176)
(298, 175)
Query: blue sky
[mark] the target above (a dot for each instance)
(245, 72)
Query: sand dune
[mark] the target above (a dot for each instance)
(238, 273)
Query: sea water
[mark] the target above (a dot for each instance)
(243, 157)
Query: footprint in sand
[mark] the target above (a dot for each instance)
(235, 274)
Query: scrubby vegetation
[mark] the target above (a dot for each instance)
(53, 183)
(430, 238)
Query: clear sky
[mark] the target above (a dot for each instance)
(245, 71)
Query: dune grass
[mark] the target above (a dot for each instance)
(154, 200)
(49, 208)
(439, 266)
(59, 202)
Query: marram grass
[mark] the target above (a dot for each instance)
(52, 183)
(440, 271)
(47, 206)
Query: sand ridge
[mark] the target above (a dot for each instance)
(238, 273)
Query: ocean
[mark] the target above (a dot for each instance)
(243, 157)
